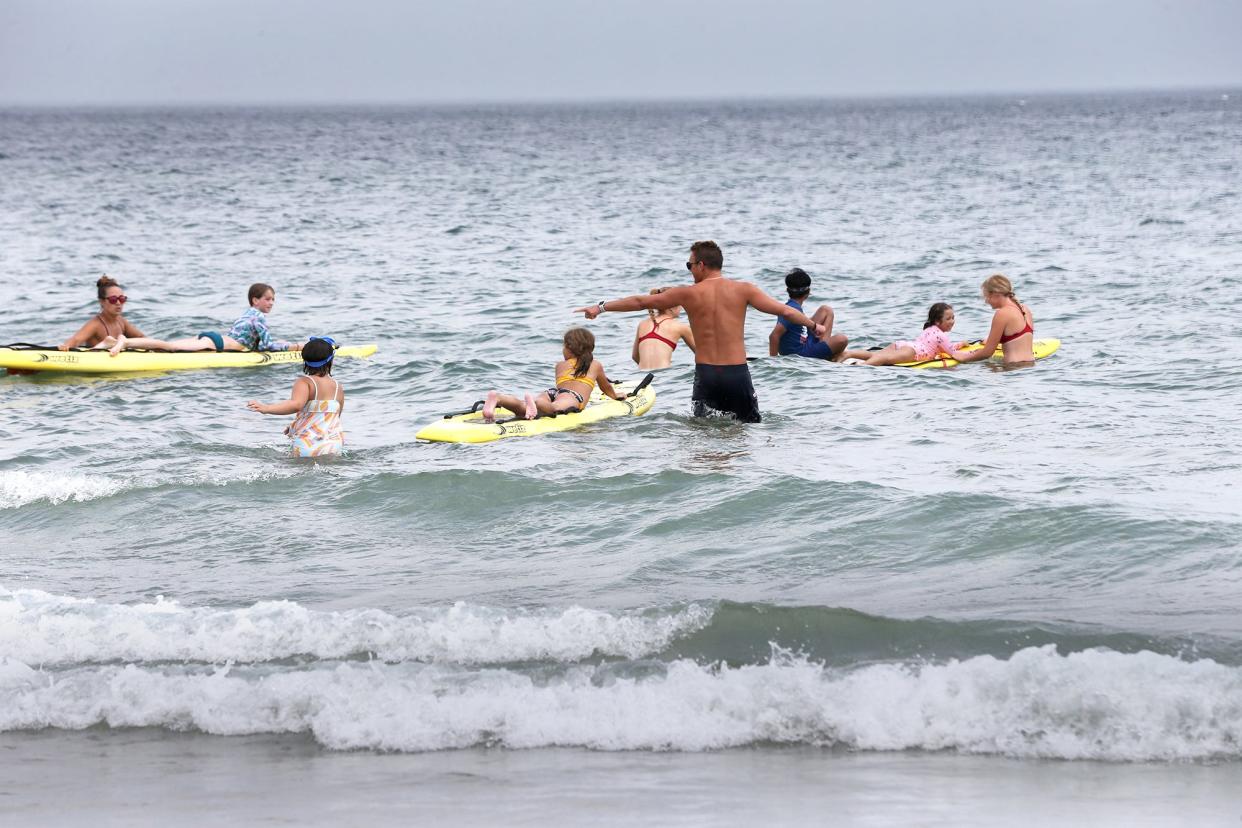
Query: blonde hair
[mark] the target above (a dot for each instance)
(652, 312)
(997, 283)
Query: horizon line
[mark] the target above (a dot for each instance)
(619, 100)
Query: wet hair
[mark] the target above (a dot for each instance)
(798, 283)
(581, 344)
(104, 283)
(996, 283)
(936, 313)
(315, 350)
(708, 252)
(257, 290)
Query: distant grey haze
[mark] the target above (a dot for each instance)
(133, 52)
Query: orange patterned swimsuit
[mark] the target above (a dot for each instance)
(317, 430)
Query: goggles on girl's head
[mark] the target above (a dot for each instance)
(319, 363)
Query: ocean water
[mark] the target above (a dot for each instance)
(933, 597)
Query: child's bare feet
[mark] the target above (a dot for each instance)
(118, 347)
(489, 407)
(532, 410)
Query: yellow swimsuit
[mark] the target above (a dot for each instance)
(586, 378)
(553, 393)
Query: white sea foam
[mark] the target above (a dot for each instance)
(231, 475)
(40, 628)
(21, 488)
(1089, 705)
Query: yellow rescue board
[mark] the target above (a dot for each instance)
(81, 361)
(1041, 347)
(469, 427)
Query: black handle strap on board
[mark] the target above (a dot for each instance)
(638, 388)
(477, 405)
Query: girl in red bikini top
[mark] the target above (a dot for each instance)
(1013, 327)
(654, 346)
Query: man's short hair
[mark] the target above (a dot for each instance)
(797, 282)
(708, 252)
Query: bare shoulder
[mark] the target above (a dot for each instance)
(1007, 312)
(753, 291)
(682, 293)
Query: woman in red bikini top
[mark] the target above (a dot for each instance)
(657, 337)
(1013, 327)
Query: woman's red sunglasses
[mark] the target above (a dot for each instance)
(117, 300)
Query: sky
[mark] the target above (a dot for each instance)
(138, 52)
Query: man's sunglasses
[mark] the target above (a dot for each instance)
(690, 265)
(117, 300)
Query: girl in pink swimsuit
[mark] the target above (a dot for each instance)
(932, 341)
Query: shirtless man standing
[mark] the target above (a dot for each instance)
(716, 309)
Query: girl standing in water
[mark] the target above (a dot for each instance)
(318, 400)
(657, 337)
(1013, 326)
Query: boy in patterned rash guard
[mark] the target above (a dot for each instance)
(251, 329)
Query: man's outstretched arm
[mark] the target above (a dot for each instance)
(646, 301)
(760, 301)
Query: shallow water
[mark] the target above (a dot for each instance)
(132, 774)
(1008, 565)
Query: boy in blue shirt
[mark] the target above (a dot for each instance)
(787, 338)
